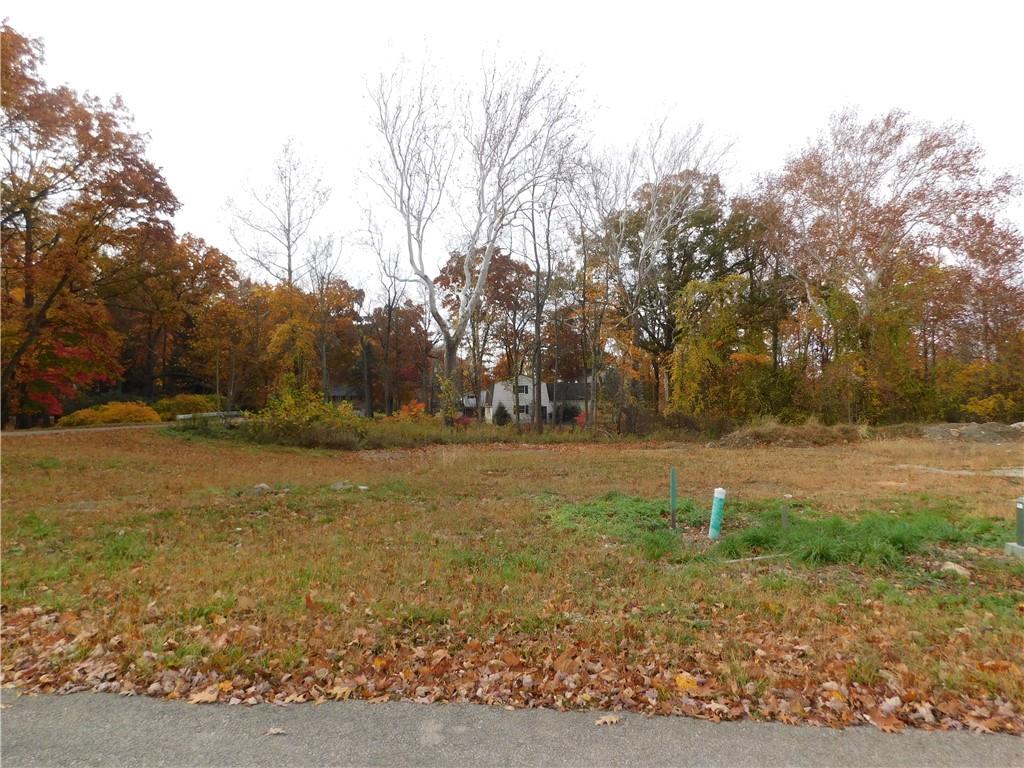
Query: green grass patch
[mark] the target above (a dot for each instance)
(120, 549)
(872, 539)
(33, 526)
(422, 615)
(784, 528)
(639, 522)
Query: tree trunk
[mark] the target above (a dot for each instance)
(325, 379)
(538, 417)
(451, 357)
(656, 370)
(592, 406)
(451, 360)
(5, 408)
(556, 416)
(515, 399)
(367, 389)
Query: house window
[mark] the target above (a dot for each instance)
(524, 389)
(524, 409)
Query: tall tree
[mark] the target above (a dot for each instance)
(156, 306)
(512, 309)
(272, 222)
(384, 318)
(77, 195)
(651, 275)
(873, 208)
(497, 148)
(321, 270)
(546, 241)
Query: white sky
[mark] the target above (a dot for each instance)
(220, 86)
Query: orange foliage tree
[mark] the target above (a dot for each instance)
(78, 196)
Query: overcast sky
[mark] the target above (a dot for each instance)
(220, 86)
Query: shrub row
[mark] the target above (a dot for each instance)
(111, 413)
(170, 408)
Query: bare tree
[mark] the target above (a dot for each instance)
(544, 244)
(650, 173)
(391, 296)
(272, 223)
(498, 149)
(321, 269)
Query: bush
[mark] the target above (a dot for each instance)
(111, 413)
(298, 416)
(992, 408)
(171, 407)
(568, 413)
(501, 416)
(413, 411)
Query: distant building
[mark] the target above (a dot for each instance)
(502, 393)
(569, 394)
(341, 392)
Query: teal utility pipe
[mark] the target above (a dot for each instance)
(672, 494)
(1020, 519)
(717, 511)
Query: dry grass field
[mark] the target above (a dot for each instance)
(147, 561)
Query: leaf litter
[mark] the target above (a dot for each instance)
(63, 653)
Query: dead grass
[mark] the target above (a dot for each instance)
(159, 549)
(792, 436)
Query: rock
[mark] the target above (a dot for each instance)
(959, 570)
(989, 432)
(341, 485)
(260, 488)
(363, 487)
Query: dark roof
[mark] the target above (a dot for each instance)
(568, 390)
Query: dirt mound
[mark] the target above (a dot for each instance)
(786, 436)
(989, 432)
(897, 431)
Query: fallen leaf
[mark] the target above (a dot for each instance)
(340, 692)
(510, 659)
(884, 722)
(686, 682)
(607, 720)
(205, 696)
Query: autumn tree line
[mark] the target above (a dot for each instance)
(874, 277)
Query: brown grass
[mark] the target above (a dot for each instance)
(806, 435)
(125, 469)
(157, 547)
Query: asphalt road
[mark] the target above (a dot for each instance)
(105, 729)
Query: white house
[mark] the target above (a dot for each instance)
(502, 393)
